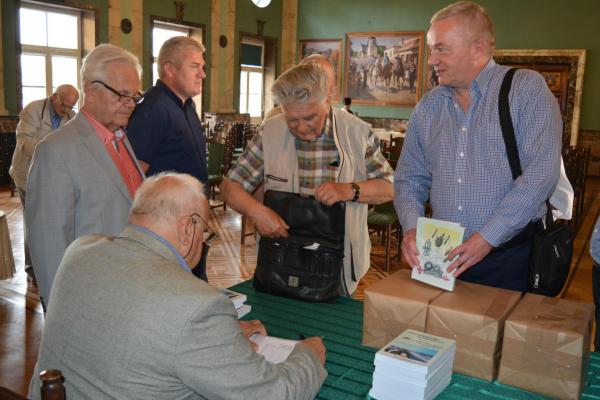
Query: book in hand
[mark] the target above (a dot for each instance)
(243, 310)
(415, 364)
(435, 239)
(274, 349)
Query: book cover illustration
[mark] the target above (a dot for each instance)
(417, 347)
(435, 240)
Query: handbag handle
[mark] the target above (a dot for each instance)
(508, 133)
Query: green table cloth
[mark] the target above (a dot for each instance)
(350, 364)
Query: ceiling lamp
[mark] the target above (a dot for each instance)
(261, 3)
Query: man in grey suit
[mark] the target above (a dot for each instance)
(83, 176)
(128, 319)
(36, 121)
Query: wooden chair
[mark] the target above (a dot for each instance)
(52, 387)
(216, 169)
(383, 218)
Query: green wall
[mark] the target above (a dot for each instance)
(246, 15)
(519, 24)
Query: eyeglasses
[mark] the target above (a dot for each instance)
(123, 98)
(210, 234)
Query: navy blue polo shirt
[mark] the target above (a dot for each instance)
(167, 134)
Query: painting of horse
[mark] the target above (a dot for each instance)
(384, 68)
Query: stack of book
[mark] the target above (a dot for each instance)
(238, 300)
(415, 364)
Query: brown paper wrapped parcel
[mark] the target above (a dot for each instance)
(546, 346)
(393, 305)
(474, 316)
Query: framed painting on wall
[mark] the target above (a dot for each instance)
(384, 68)
(330, 48)
(563, 70)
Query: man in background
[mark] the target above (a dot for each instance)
(454, 153)
(36, 121)
(83, 176)
(348, 104)
(126, 321)
(165, 130)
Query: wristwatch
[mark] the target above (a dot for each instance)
(356, 189)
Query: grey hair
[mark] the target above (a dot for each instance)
(476, 21)
(170, 51)
(168, 196)
(66, 89)
(95, 65)
(301, 84)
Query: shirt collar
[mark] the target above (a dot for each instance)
(482, 80)
(164, 241)
(53, 113)
(171, 94)
(105, 135)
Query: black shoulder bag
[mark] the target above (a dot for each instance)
(552, 243)
(308, 264)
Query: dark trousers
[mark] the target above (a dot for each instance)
(502, 268)
(596, 292)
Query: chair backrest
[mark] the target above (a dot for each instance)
(52, 385)
(576, 161)
(216, 158)
(395, 148)
(249, 132)
(385, 208)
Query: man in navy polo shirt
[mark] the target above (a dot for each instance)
(165, 130)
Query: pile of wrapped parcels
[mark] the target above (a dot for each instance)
(536, 343)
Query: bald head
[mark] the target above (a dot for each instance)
(164, 198)
(174, 207)
(322, 61)
(64, 98)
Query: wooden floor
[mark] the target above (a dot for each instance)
(21, 317)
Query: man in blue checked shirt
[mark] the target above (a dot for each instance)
(454, 153)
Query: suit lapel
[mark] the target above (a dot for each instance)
(93, 144)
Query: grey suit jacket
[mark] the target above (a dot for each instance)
(34, 125)
(127, 322)
(74, 189)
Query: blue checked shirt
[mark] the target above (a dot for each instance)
(459, 160)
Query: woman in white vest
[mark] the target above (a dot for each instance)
(313, 149)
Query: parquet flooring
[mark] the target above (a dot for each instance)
(229, 262)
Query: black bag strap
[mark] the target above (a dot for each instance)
(508, 133)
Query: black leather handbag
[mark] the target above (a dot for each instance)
(552, 247)
(308, 264)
